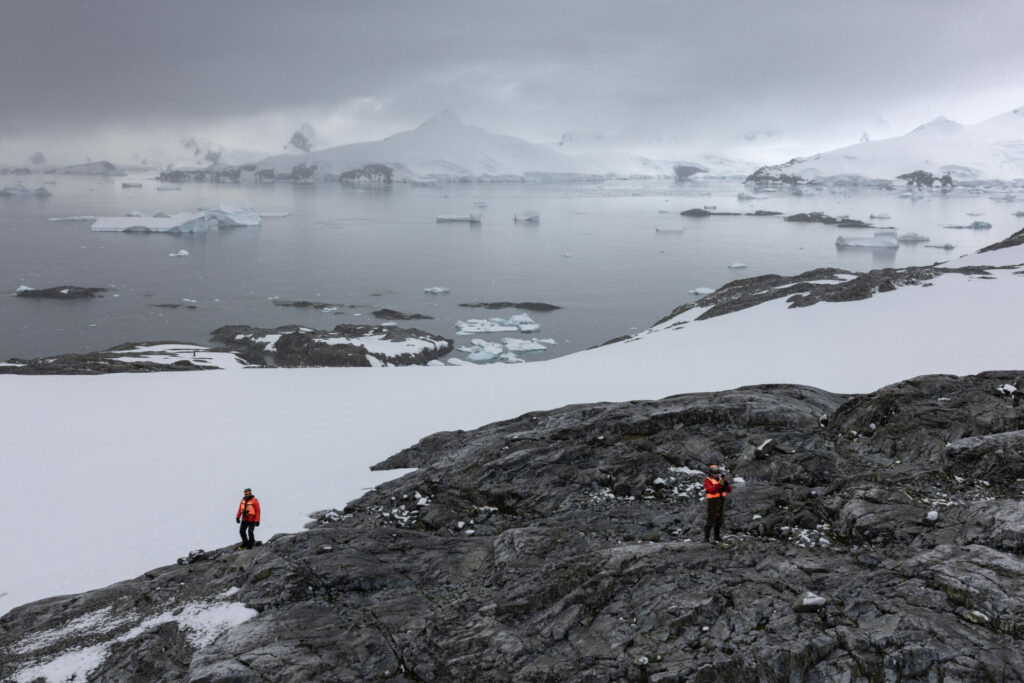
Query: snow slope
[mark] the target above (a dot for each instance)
(108, 476)
(990, 150)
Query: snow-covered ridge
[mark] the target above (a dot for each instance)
(992, 150)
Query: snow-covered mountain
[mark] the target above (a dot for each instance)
(992, 150)
(442, 148)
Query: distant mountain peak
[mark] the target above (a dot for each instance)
(939, 124)
(446, 119)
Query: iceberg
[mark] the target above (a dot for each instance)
(880, 216)
(72, 219)
(179, 222)
(522, 345)
(459, 217)
(528, 216)
(517, 323)
(883, 239)
(180, 252)
(436, 290)
(737, 265)
(701, 291)
(20, 190)
(482, 351)
(236, 216)
(912, 237)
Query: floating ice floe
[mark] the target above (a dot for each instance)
(669, 228)
(702, 290)
(180, 252)
(947, 245)
(168, 188)
(274, 214)
(880, 216)
(912, 237)
(24, 288)
(20, 190)
(179, 222)
(528, 216)
(236, 216)
(746, 196)
(973, 225)
(72, 219)
(459, 217)
(737, 265)
(130, 185)
(883, 239)
(483, 351)
(517, 323)
(436, 290)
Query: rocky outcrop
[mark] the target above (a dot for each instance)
(537, 306)
(391, 314)
(130, 357)
(925, 179)
(566, 545)
(62, 292)
(819, 217)
(293, 346)
(376, 174)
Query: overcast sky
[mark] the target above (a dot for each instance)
(106, 78)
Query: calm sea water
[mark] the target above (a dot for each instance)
(596, 252)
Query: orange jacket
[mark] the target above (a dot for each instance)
(715, 489)
(248, 510)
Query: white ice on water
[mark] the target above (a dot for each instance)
(517, 323)
(883, 239)
(179, 222)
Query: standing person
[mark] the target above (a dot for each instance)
(715, 488)
(249, 517)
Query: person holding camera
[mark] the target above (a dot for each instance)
(715, 489)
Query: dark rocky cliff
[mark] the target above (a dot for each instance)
(869, 538)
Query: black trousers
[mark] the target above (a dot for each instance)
(247, 527)
(716, 515)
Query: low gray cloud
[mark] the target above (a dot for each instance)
(705, 70)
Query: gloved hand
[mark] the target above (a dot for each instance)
(256, 523)
(237, 520)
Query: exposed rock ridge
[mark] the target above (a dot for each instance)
(875, 537)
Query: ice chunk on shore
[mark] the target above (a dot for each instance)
(883, 239)
(436, 290)
(24, 288)
(236, 216)
(528, 216)
(179, 222)
(702, 291)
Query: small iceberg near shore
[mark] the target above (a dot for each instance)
(912, 237)
(701, 291)
(883, 239)
(736, 265)
(436, 290)
(528, 216)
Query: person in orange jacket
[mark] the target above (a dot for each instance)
(715, 490)
(249, 517)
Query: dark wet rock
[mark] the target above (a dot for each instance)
(700, 213)
(925, 179)
(819, 217)
(762, 212)
(318, 305)
(294, 346)
(188, 306)
(524, 305)
(389, 314)
(775, 175)
(563, 545)
(378, 174)
(685, 171)
(63, 292)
